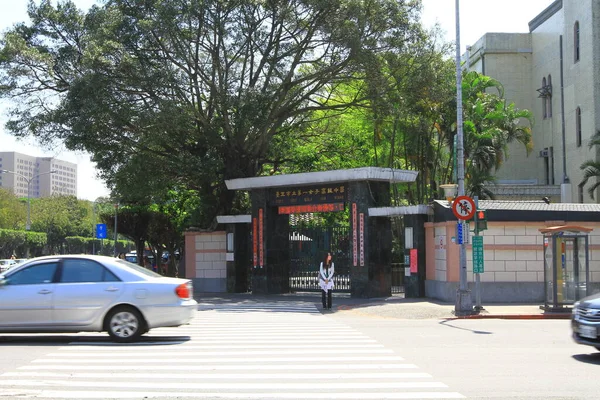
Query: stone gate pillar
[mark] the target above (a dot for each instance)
(270, 246)
(371, 238)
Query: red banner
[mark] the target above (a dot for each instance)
(255, 241)
(261, 238)
(362, 239)
(311, 208)
(413, 261)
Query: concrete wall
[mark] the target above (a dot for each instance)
(513, 261)
(205, 260)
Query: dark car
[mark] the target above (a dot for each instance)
(585, 321)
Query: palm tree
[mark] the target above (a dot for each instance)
(479, 184)
(591, 168)
(490, 125)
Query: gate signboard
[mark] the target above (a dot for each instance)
(322, 194)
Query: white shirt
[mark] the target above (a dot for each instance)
(326, 277)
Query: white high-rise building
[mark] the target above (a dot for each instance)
(35, 173)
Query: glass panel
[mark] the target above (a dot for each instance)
(79, 270)
(548, 275)
(582, 267)
(36, 274)
(570, 274)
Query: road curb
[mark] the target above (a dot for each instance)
(513, 316)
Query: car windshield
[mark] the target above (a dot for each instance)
(138, 268)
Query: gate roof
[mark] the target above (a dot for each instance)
(307, 178)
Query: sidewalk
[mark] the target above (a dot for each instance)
(393, 307)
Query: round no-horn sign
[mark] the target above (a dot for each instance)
(463, 207)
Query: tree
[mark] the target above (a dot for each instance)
(203, 88)
(490, 125)
(12, 211)
(591, 168)
(59, 217)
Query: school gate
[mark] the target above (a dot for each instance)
(361, 251)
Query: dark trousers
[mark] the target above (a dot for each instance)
(326, 299)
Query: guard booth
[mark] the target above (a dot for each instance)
(566, 266)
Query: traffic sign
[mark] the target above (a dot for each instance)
(463, 207)
(477, 254)
(460, 233)
(100, 231)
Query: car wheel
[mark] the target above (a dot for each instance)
(125, 324)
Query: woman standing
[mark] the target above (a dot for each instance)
(326, 272)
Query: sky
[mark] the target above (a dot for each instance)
(476, 18)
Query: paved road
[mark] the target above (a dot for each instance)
(283, 350)
(288, 349)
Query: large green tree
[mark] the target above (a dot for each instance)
(202, 88)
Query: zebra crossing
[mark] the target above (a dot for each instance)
(283, 350)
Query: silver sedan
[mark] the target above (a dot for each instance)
(77, 293)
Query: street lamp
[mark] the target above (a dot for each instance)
(28, 180)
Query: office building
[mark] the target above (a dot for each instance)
(35, 174)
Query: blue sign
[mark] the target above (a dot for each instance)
(100, 231)
(459, 233)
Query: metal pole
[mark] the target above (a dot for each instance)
(28, 225)
(94, 228)
(116, 234)
(464, 304)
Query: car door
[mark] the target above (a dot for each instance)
(85, 289)
(26, 296)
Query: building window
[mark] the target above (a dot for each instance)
(578, 126)
(576, 41)
(580, 193)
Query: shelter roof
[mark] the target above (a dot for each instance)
(566, 228)
(534, 205)
(309, 178)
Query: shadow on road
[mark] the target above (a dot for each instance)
(100, 340)
(591, 358)
(449, 324)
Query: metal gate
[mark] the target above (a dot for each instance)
(308, 247)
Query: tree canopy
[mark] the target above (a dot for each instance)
(203, 89)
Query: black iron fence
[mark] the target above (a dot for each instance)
(397, 278)
(308, 247)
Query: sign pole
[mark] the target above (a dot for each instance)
(478, 306)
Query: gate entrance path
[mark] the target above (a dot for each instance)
(365, 261)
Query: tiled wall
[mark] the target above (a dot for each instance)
(205, 260)
(513, 252)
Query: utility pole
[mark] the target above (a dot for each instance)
(94, 228)
(464, 304)
(116, 232)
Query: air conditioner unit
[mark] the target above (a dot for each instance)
(544, 153)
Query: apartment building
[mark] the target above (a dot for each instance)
(41, 176)
(554, 71)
